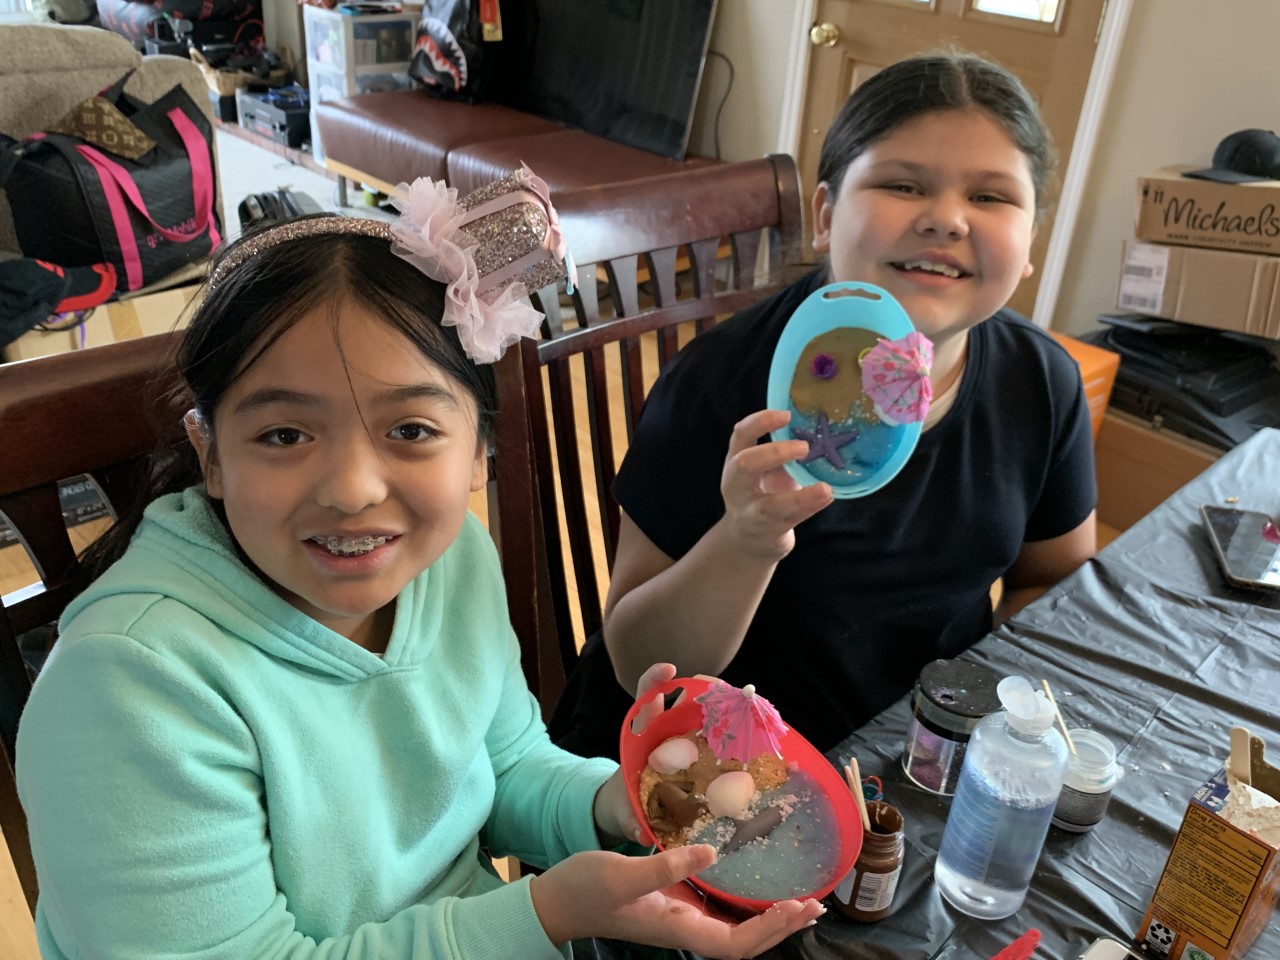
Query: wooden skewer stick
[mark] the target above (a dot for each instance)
(852, 774)
(1058, 713)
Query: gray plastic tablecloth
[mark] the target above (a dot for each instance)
(1145, 644)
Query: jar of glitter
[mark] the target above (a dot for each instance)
(950, 697)
(867, 892)
(1092, 773)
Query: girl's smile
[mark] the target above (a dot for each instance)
(345, 462)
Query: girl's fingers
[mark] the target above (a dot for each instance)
(657, 674)
(638, 876)
(779, 922)
(764, 457)
(778, 481)
(783, 511)
(647, 713)
(750, 429)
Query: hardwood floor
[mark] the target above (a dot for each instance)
(17, 932)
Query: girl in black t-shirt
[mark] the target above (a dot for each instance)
(932, 178)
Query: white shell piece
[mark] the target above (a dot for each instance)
(674, 755)
(729, 794)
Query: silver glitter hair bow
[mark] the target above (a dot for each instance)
(489, 249)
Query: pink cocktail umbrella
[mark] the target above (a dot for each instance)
(739, 724)
(895, 375)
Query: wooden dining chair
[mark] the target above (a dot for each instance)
(100, 412)
(93, 412)
(659, 260)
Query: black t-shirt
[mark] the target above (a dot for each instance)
(877, 586)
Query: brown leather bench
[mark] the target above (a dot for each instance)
(385, 138)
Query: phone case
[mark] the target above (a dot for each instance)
(1220, 551)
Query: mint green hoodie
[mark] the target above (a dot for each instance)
(208, 773)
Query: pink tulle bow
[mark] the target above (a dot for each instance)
(426, 236)
(555, 241)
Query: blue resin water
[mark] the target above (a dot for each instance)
(797, 858)
(990, 847)
(875, 442)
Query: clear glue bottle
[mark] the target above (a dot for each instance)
(1013, 772)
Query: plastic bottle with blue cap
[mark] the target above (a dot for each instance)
(1013, 772)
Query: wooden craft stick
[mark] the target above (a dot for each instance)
(1240, 761)
(1062, 725)
(852, 774)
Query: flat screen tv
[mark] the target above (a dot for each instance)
(624, 69)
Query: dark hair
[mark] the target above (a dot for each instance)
(250, 308)
(931, 83)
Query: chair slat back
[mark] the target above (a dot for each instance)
(659, 260)
(88, 412)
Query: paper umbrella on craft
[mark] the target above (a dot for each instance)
(895, 375)
(739, 724)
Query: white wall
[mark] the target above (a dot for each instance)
(1190, 73)
(758, 36)
(283, 22)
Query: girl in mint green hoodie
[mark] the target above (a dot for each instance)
(289, 721)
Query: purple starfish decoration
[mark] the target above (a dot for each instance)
(823, 444)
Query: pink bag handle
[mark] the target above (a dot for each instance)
(118, 186)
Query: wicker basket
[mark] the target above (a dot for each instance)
(225, 81)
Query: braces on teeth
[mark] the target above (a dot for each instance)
(350, 545)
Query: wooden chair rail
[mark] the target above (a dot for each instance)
(635, 233)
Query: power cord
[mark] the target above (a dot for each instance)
(715, 124)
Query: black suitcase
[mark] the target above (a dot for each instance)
(261, 208)
(1214, 387)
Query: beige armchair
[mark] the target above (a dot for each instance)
(46, 69)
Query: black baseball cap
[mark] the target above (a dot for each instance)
(1246, 156)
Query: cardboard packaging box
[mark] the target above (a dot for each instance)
(1221, 882)
(1211, 288)
(138, 316)
(1098, 369)
(1244, 217)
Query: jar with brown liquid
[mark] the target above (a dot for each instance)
(867, 893)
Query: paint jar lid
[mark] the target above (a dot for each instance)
(953, 695)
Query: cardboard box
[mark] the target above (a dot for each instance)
(1244, 217)
(1221, 882)
(1140, 466)
(1211, 288)
(138, 316)
(1098, 369)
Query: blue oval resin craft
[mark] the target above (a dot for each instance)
(854, 373)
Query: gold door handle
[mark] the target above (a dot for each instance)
(824, 35)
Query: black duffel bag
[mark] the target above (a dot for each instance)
(75, 202)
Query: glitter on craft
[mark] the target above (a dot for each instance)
(823, 443)
(823, 366)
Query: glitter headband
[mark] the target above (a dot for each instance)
(490, 249)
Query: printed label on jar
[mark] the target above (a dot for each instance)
(875, 890)
(1080, 809)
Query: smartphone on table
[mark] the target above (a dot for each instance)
(1247, 545)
